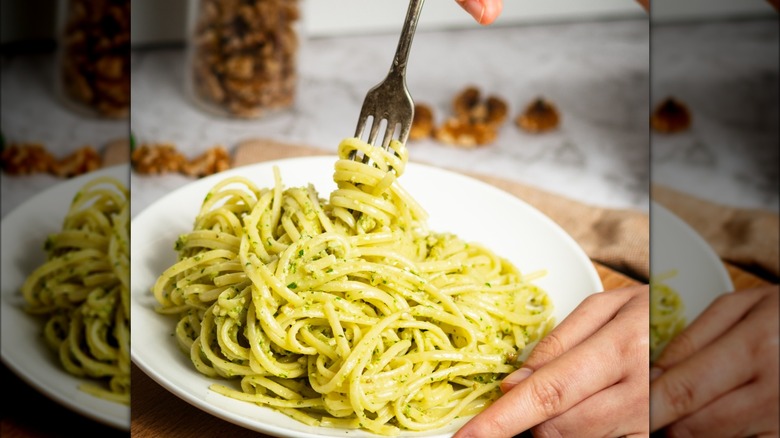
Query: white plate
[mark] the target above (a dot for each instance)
(675, 246)
(472, 209)
(23, 350)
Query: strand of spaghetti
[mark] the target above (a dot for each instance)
(293, 401)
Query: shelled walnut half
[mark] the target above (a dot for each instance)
(670, 116)
(157, 159)
(539, 116)
(83, 160)
(214, 160)
(422, 123)
(26, 159)
(475, 122)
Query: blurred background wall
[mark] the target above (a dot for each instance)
(164, 22)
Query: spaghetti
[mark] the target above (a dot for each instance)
(82, 289)
(667, 317)
(347, 312)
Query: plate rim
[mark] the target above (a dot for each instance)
(699, 239)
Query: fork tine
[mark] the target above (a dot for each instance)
(359, 133)
(405, 127)
(374, 130)
(361, 125)
(389, 132)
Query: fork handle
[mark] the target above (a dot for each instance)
(407, 34)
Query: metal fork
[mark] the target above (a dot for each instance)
(390, 99)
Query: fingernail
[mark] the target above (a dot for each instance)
(655, 372)
(515, 378)
(474, 8)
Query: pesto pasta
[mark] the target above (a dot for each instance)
(347, 311)
(667, 314)
(82, 289)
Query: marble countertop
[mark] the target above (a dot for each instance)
(726, 73)
(595, 72)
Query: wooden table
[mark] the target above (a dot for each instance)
(28, 413)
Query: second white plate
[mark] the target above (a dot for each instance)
(23, 349)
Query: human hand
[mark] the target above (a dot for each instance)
(719, 376)
(484, 11)
(586, 378)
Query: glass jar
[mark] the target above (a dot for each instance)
(242, 56)
(93, 62)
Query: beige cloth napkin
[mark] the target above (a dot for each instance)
(116, 152)
(618, 239)
(747, 238)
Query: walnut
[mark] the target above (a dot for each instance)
(75, 83)
(469, 108)
(212, 161)
(465, 101)
(115, 92)
(26, 159)
(157, 159)
(475, 121)
(457, 132)
(422, 124)
(240, 67)
(539, 116)
(670, 116)
(83, 160)
(110, 67)
(497, 111)
(208, 84)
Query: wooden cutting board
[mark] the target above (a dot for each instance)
(612, 279)
(743, 279)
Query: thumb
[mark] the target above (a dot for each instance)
(484, 11)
